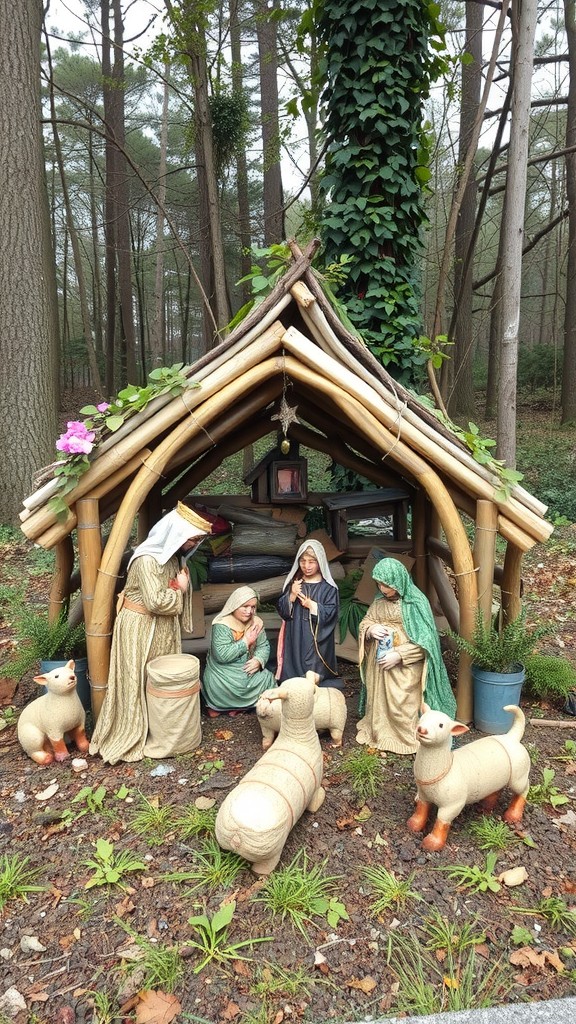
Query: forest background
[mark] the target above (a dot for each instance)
(154, 151)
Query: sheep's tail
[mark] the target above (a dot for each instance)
(516, 731)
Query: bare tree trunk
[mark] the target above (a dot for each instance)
(524, 27)
(241, 165)
(157, 336)
(268, 61)
(110, 212)
(75, 243)
(192, 32)
(568, 399)
(28, 302)
(461, 398)
(124, 247)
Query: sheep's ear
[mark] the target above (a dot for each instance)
(71, 665)
(41, 680)
(424, 708)
(458, 729)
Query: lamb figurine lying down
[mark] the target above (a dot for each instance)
(44, 723)
(256, 817)
(477, 771)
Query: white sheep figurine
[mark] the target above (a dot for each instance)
(330, 713)
(44, 723)
(478, 771)
(258, 814)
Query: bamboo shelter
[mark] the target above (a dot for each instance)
(291, 353)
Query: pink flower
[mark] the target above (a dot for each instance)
(103, 406)
(77, 439)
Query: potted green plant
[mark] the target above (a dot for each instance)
(498, 659)
(43, 645)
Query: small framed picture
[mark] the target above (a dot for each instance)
(289, 481)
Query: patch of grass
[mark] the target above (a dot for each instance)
(545, 792)
(300, 892)
(457, 936)
(153, 820)
(105, 1009)
(196, 821)
(549, 677)
(569, 752)
(495, 834)
(17, 879)
(558, 916)
(8, 717)
(474, 878)
(214, 868)
(109, 867)
(11, 597)
(492, 833)
(212, 937)
(391, 892)
(461, 981)
(272, 979)
(162, 966)
(363, 768)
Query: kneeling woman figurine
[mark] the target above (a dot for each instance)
(400, 662)
(235, 673)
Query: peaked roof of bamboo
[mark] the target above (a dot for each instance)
(293, 345)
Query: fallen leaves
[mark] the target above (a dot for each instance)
(529, 957)
(155, 1007)
(366, 984)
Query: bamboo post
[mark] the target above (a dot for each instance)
(484, 554)
(60, 586)
(511, 586)
(446, 596)
(419, 540)
(433, 532)
(89, 555)
(89, 551)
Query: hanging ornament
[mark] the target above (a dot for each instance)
(285, 446)
(286, 415)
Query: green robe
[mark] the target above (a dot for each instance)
(225, 685)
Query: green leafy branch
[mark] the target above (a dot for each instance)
(82, 437)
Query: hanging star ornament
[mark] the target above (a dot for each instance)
(286, 416)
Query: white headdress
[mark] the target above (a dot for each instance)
(171, 532)
(319, 555)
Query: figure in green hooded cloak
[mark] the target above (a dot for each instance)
(405, 668)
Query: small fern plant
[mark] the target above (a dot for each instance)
(500, 650)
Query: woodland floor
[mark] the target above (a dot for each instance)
(70, 941)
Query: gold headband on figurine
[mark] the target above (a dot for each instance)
(193, 518)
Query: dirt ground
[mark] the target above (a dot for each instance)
(68, 954)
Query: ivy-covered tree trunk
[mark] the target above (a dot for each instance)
(378, 69)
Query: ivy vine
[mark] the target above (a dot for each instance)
(379, 60)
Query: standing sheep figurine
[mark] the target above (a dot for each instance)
(256, 817)
(478, 771)
(44, 722)
(330, 713)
